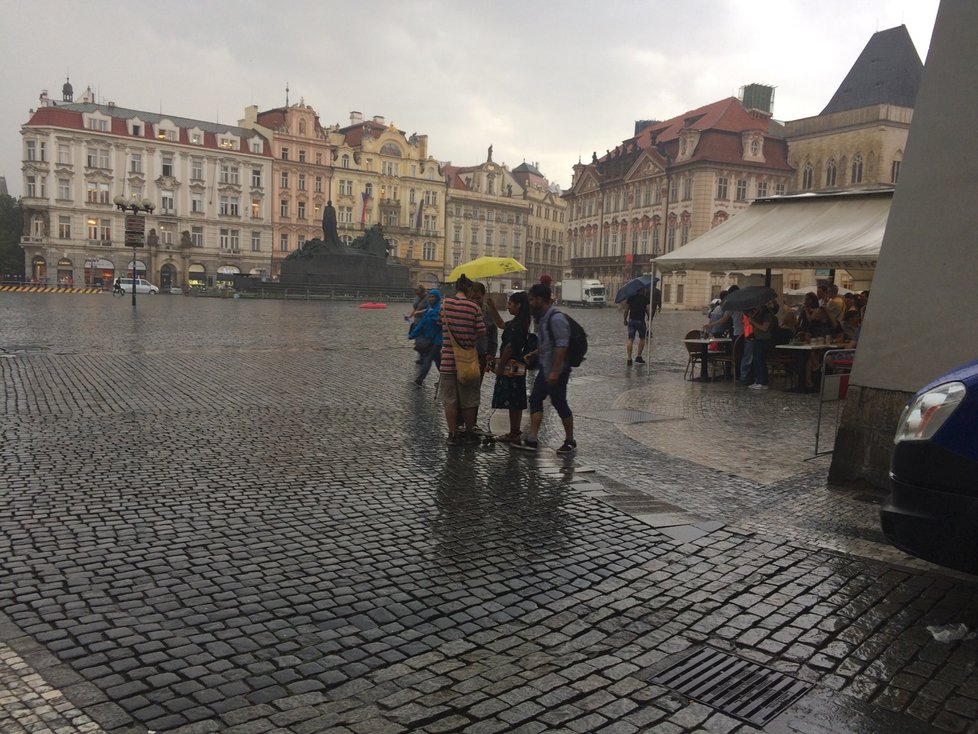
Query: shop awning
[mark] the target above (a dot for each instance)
(842, 231)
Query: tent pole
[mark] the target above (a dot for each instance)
(767, 278)
(648, 343)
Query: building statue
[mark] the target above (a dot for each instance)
(330, 235)
(489, 156)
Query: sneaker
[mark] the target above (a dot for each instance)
(569, 446)
(469, 439)
(757, 386)
(639, 360)
(527, 444)
(419, 383)
(629, 363)
(452, 440)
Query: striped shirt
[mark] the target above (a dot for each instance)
(465, 319)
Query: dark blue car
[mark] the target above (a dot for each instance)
(932, 510)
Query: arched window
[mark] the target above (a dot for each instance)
(806, 177)
(830, 173)
(302, 127)
(345, 161)
(857, 169)
(429, 251)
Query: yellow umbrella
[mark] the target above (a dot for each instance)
(485, 267)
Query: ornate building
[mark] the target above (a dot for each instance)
(208, 183)
(858, 140)
(669, 183)
(302, 169)
(486, 214)
(545, 224)
(382, 176)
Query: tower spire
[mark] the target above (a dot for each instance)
(286, 95)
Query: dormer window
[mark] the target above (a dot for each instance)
(755, 146)
(196, 139)
(137, 131)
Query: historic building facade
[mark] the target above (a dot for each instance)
(382, 176)
(858, 140)
(486, 214)
(302, 167)
(669, 183)
(208, 183)
(545, 224)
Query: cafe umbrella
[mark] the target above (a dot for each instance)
(634, 286)
(750, 297)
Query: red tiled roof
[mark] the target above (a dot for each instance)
(57, 117)
(453, 179)
(272, 118)
(353, 135)
(726, 114)
(727, 147)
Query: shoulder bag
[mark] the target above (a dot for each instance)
(467, 370)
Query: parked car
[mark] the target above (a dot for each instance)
(932, 509)
(142, 286)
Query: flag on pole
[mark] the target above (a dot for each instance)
(365, 197)
(417, 218)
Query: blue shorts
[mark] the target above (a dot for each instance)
(557, 393)
(637, 326)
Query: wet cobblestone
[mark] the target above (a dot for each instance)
(240, 516)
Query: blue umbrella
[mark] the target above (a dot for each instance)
(634, 286)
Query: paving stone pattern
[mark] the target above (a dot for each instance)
(241, 516)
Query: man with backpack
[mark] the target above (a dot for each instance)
(554, 335)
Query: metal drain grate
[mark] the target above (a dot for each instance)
(624, 416)
(737, 687)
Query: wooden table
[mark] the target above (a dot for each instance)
(705, 349)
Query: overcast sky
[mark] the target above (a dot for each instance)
(540, 80)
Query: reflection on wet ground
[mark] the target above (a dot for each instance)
(218, 512)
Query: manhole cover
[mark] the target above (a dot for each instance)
(625, 416)
(737, 687)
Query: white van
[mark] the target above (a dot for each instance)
(142, 286)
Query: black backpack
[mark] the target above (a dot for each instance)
(576, 345)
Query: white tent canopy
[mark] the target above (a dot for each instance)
(842, 231)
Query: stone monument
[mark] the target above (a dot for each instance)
(328, 261)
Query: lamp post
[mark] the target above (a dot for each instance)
(135, 228)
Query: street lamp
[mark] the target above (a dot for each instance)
(135, 228)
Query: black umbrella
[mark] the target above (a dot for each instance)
(750, 297)
(633, 286)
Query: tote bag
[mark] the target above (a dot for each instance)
(467, 370)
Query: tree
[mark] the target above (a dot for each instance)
(11, 228)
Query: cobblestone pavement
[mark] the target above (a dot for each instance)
(240, 516)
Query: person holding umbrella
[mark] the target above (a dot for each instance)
(636, 295)
(753, 302)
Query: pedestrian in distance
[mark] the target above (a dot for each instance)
(637, 315)
(427, 335)
(509, 392)
(761, 321)
(418, 307)
(461, 318)
(553, 337)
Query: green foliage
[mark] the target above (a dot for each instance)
(11, 228)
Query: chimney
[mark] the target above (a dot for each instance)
(356, 117)
(379, 119)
